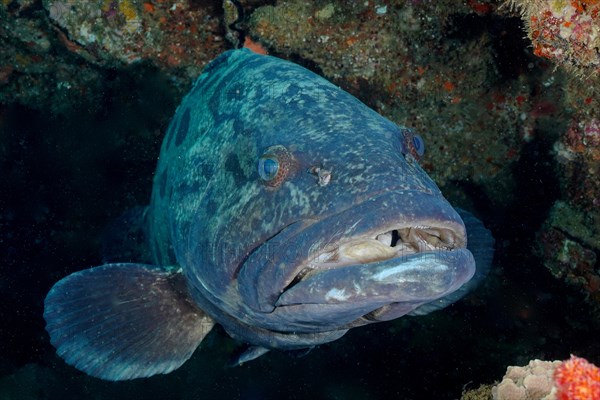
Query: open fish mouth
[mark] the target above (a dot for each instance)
(384, 272)
(398, 243)
(400, 246)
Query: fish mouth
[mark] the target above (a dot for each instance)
(396, 243)
(405, 267)
(405, 248)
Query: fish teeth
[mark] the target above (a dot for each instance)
(365, 251)
(395, 243)
(385, 238)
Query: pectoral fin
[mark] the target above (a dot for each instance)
(124, 321)
(249, 354)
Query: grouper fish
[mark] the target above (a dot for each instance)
(283, 209)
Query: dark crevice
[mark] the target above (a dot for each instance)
(507, 37)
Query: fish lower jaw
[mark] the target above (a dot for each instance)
(394, 243)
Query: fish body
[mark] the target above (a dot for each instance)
(283, 209)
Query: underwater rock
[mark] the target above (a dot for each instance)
(64, 55)
(569, 244)
(569, 240)
(174, 33)
(32, 73)
(572, 379)
(578, 155)
(531, 382)
(566, 32)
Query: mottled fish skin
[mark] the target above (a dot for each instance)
(239, 240)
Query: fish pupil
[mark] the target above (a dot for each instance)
(419, 145)
(268, 168)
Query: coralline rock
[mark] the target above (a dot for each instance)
(573, 379)
(531, 382)
(564, 31)
(32, 72)
(578, 154)
(173, 33)
(569, 244)
(61, 57)
(569, 240)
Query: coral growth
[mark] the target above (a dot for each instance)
(578, 154)
(173, 33)
(533, 381)
(573, 379)
(32, 72)
(569, 241)
(577, 379)
(52, 50)
(565, 31)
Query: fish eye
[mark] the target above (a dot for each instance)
(267, 168)
(418, 145)
(275, 165)
(412, 144)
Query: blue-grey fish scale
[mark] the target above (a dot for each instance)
(213, 210)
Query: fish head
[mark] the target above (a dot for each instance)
(325, 218)
(375, 240)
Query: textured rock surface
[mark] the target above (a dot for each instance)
(533, 381)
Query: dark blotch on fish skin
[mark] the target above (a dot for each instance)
(232, 164)
(182, 129)
(211, 207)
(190, 189)
(204, 169)
(162, 184)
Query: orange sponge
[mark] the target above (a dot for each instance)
(577, 379)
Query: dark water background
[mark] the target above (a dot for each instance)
(64, 178)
